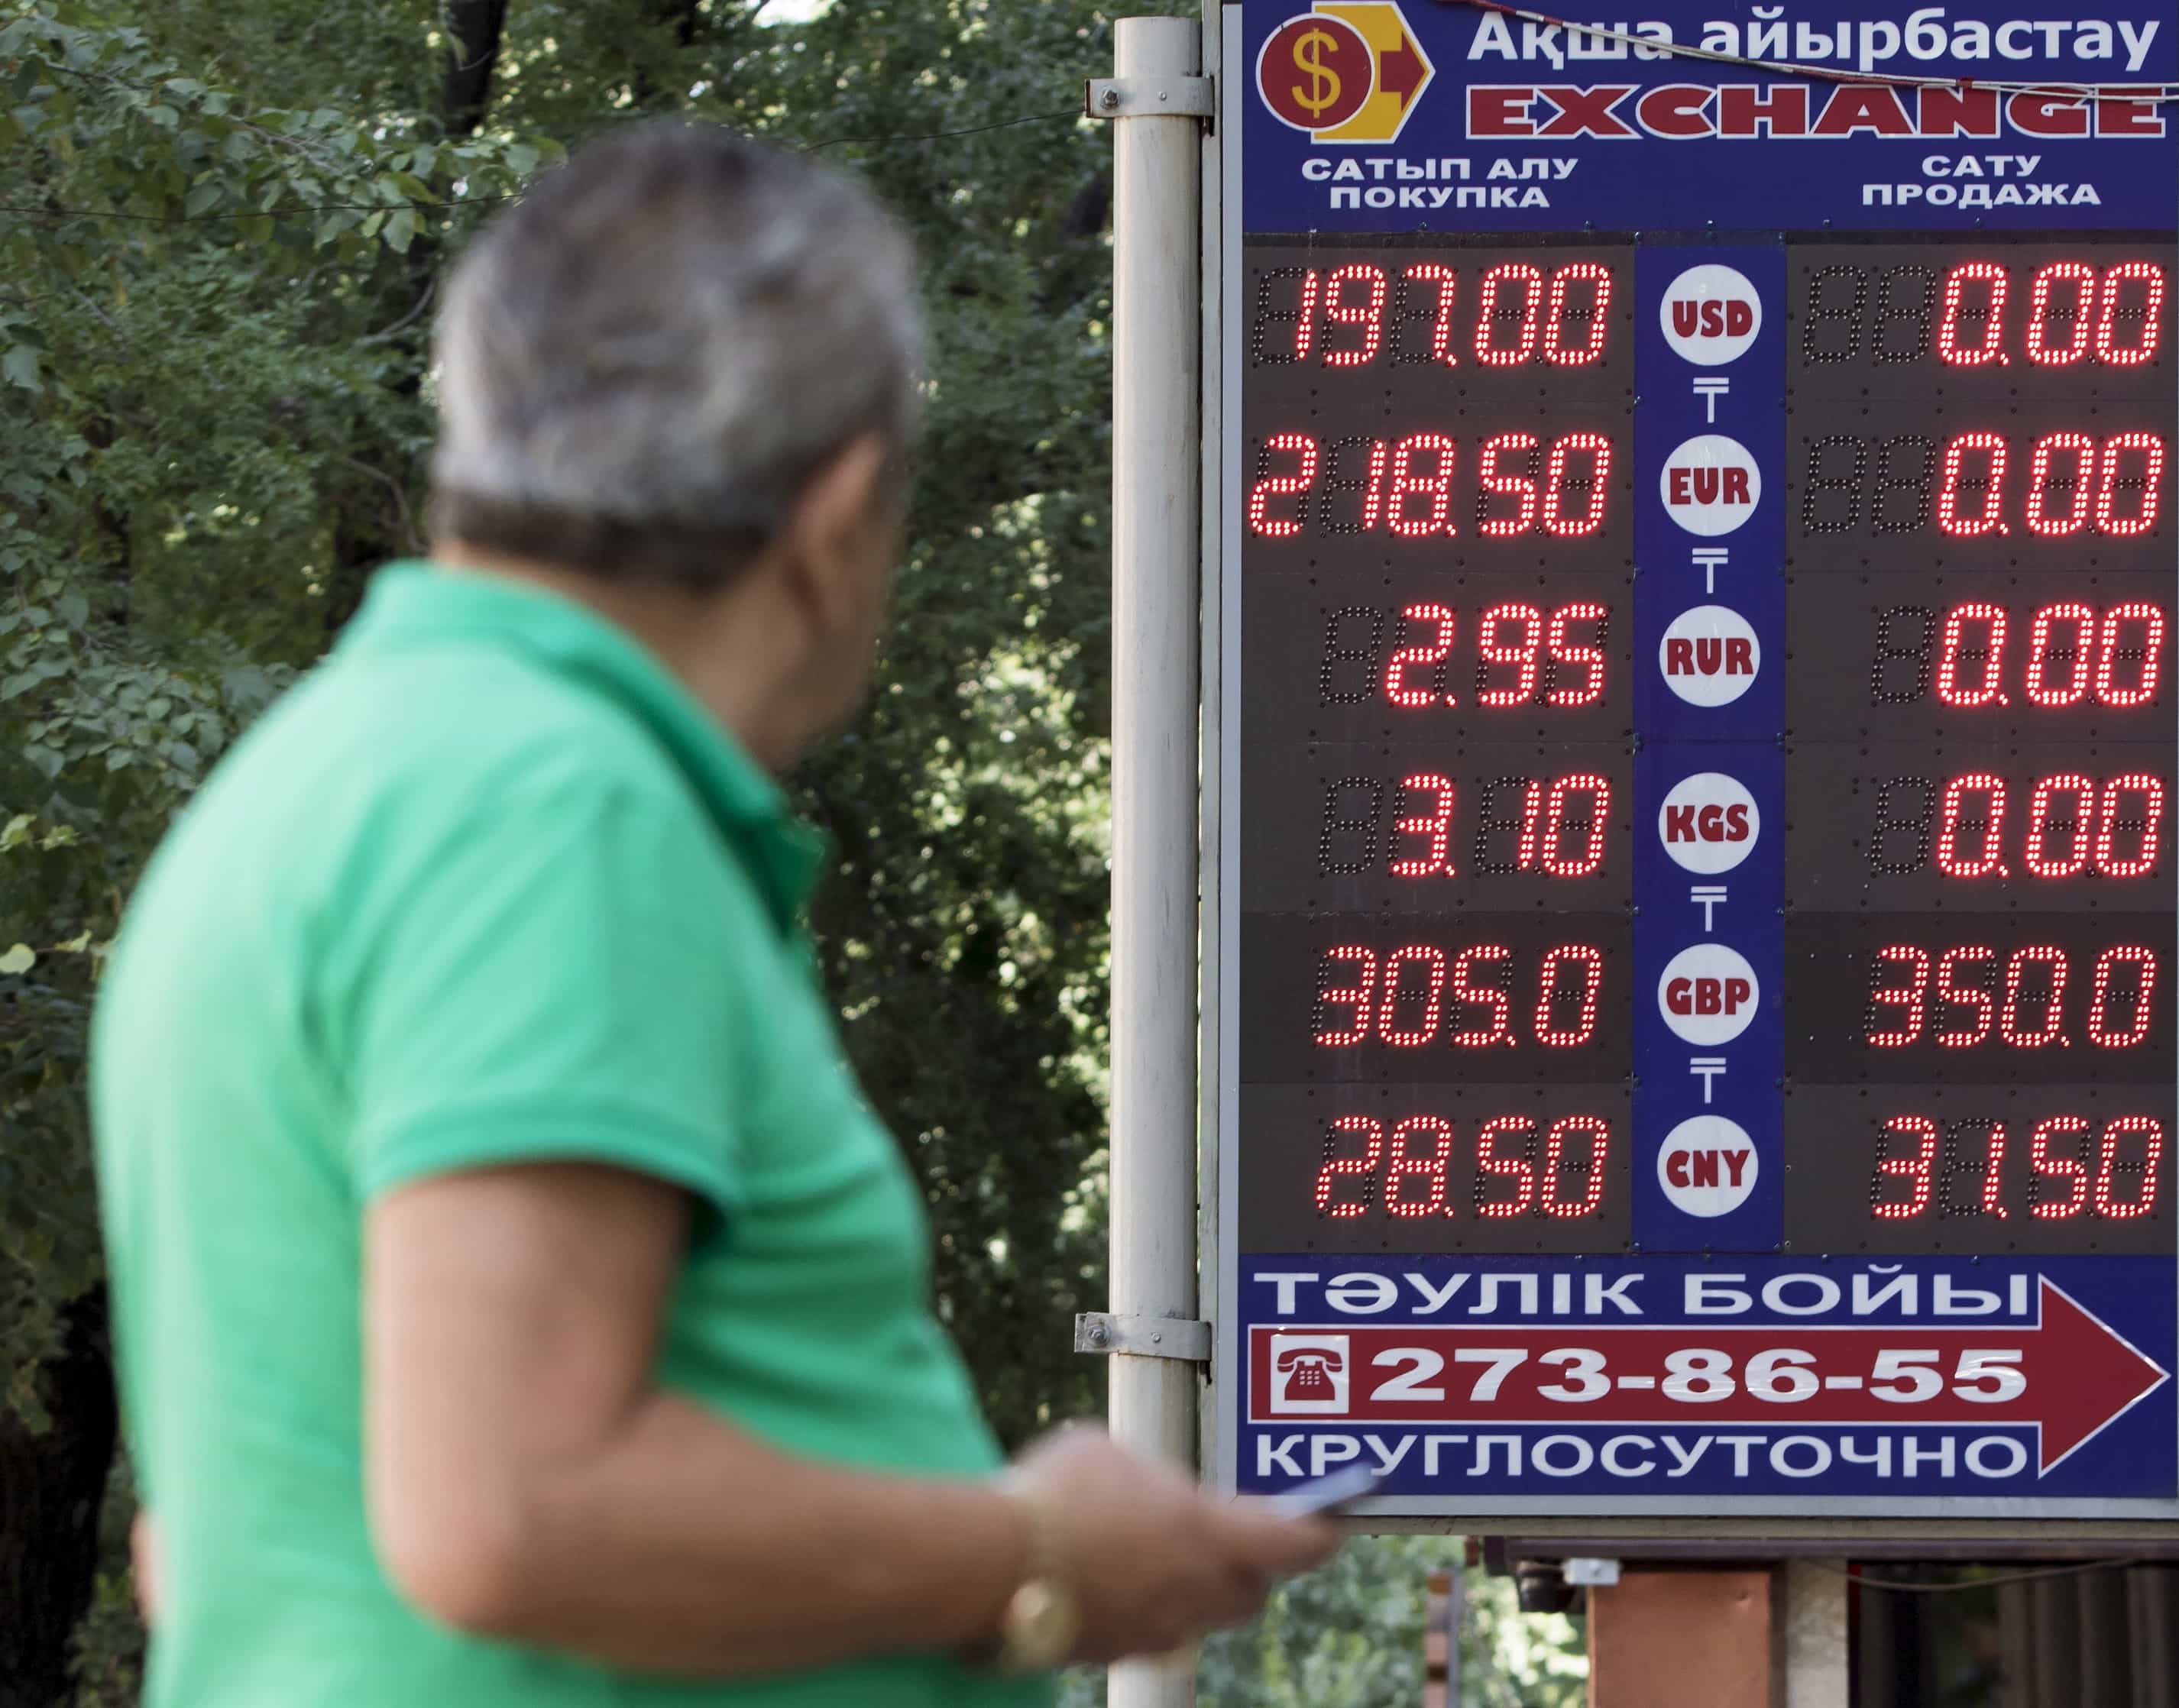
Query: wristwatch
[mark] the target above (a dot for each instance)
(1043, 1618)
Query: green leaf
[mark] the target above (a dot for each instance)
(401, 230)
(204, 195)
(20, 959)
(19, 367)
(521, 159)
(74, 609)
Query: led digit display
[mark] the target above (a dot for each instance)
(1429, 487)
(1951, 998)
(1498, 1169)
(1442, 672)
(1980, 1168)
(2031, 654)
(1409, 652)
(2087, 319)
(1959, 826)
(1421, 827)
(1487, 311)
(1880, 487)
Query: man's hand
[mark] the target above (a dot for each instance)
(1154, 1561)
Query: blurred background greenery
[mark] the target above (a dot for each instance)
(222, 224)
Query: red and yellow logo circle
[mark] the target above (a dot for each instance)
(1315, 72)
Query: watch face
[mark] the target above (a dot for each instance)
(1042, 1623)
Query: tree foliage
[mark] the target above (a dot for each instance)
(221, 229)
(219, 240)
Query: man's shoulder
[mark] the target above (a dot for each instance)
(442, 721)
(375, 770)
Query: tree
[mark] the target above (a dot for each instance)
(217, 260)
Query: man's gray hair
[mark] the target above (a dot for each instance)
(643, 360)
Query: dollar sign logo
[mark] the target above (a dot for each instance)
(1323, 81)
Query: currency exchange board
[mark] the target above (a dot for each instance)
(1696, 985)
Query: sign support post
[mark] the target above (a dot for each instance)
(1156, 540)
(1815, 1649)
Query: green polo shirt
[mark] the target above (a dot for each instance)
(488, 886)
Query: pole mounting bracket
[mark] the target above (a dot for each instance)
(1143, 1337)
(1150, 97)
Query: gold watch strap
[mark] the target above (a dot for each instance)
(1038, 1627)
(1044, 1558)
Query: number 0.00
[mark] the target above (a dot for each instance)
(1972, 487)
(2074, 826)
(2072, 313)
(2075, 654)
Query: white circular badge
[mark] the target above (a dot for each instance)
(1710, 655)
(1709, 822)
(1707, 1167)
(1710, 484)
(1710, 314)
(1708, 995)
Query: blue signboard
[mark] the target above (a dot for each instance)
(1696, 896)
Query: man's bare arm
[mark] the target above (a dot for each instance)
(528, 1481)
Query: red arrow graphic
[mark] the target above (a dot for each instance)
(2068, 1374)
(1400, 73)
(2085, 1375)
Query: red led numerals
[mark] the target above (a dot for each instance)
(2073, 314)
(1405, 487)
(2068, 312)
(2112, 485)
(1968, 1167)
(1526, 655)
(1965, 997)
(1558, 828)
(1350, 316)
(1519, 1167)
(1973, 657)
(2074, 825)
(2074, 482)
(1419, 995)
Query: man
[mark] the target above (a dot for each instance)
(518, 1303)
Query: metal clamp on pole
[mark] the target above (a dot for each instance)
(1143, 1337)
(1150, 97)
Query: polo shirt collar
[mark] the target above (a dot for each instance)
(413, 601)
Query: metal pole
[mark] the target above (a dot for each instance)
(1815, 1618)
(1156, 525)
